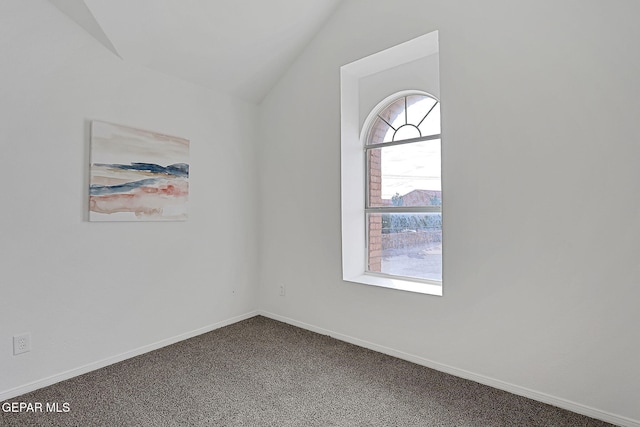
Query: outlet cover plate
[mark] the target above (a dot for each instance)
(21, 344)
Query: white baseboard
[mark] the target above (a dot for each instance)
(18, 391)
(501, 385)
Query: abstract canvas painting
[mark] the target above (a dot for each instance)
(137, 175)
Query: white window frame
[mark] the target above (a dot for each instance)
(353, 168)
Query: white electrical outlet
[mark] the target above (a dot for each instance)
(282, 290)
(21, 344)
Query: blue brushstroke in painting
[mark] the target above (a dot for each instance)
(100, 190)
(177, 169)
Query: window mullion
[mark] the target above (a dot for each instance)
(401, 142)
(403, 209)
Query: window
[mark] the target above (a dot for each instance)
(390, 168)
(403, 200)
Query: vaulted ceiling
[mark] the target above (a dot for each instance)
(240, 46)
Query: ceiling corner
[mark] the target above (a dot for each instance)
(80, 13)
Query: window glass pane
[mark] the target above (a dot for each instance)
(431, 124)
(394, 113)
(405, 244)
(405, 175)
(406, 132)
(396, 122)
(417, 108)
(380, 132)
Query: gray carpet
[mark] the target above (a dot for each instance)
(260, 372)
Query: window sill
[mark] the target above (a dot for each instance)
(428, 288)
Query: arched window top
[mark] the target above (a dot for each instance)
(404, 117)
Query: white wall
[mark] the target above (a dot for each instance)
(90, 292)
(540, 107)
